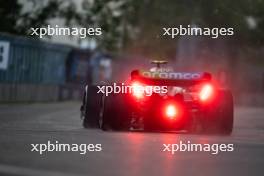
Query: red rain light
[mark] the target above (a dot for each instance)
(171, 111)
(206, 92)
(138, 90)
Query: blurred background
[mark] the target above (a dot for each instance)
(57, 68)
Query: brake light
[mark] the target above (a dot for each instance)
(206, 92)
(171, 111)
(137, 90)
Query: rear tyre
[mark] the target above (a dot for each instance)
(220, 117)
(226, 113)
(90, 107)
(114, 113)
(104, 116)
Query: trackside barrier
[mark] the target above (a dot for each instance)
(31, 70)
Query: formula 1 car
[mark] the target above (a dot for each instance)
(189, 101)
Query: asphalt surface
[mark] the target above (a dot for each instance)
(123, 153)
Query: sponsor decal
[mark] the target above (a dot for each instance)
(172, 75)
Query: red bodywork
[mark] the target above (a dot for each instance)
(177, 110)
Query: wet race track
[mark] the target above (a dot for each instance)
(123, 153)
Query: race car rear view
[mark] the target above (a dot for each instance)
(160, 99)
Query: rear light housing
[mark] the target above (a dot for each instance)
(206, 92)
(137, 90)
(171, 111)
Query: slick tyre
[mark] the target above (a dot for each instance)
(226, 113)
(220, 117)
(114, 113)
(90, 107)
(104, 116)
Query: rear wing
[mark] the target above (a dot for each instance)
(170, 78)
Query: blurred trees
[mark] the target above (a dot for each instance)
(114, 16)
(117, 18)
(245, 16)
(137, 24)
(18, 19)
(9, 16)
